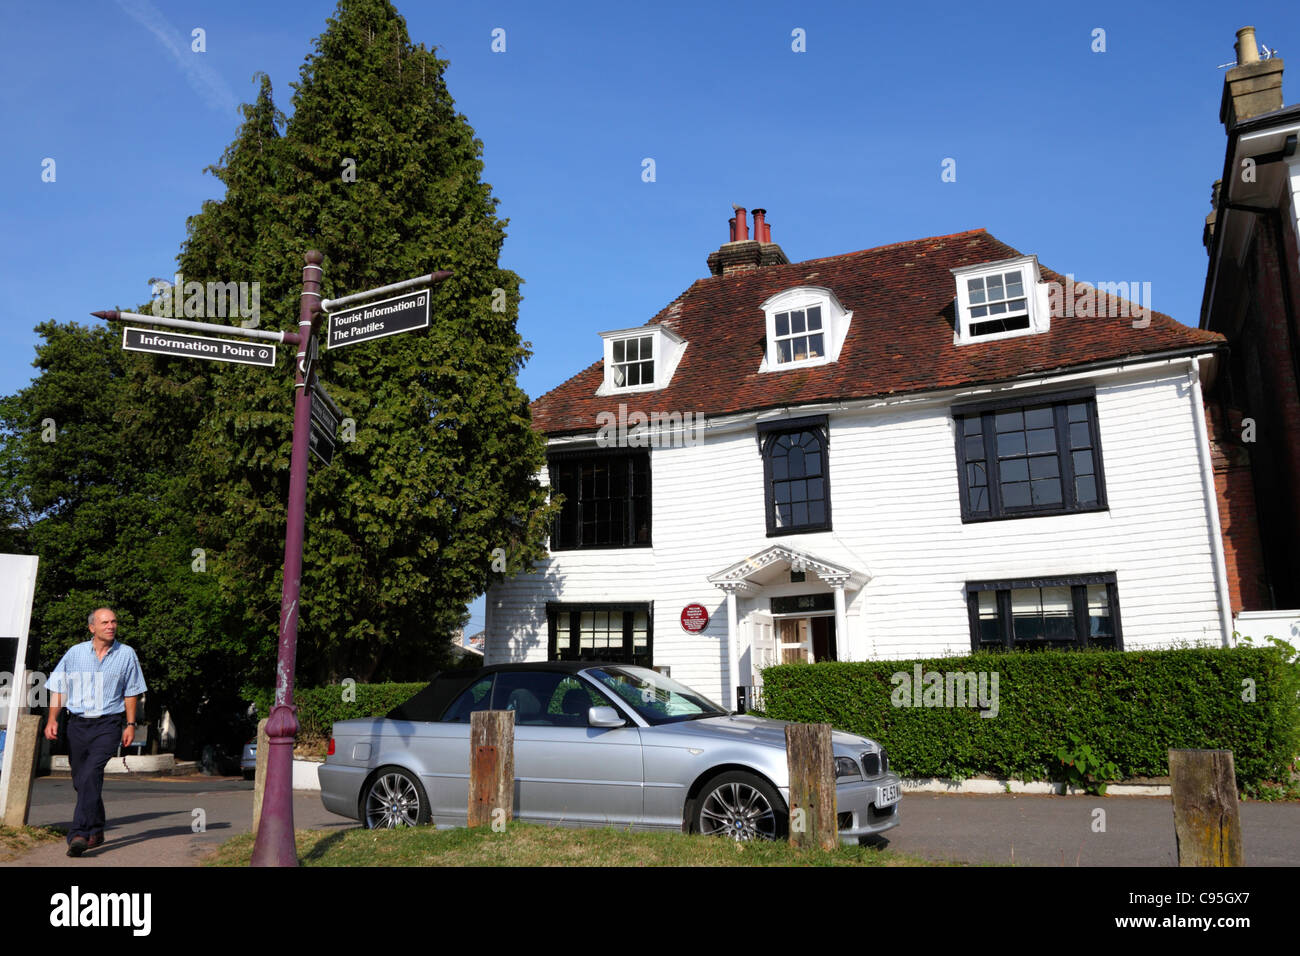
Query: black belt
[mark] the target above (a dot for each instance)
(119, 714)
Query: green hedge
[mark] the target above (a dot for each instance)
(319, 707)
(1130, 706)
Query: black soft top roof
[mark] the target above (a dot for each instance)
(446, 686)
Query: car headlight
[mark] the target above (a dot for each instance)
(846, 767)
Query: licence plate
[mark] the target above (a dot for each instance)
(888, 795)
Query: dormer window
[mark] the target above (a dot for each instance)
(997, 303)
(641, 359)
(634, 361)
(799, 335)
(805, 326)
(999, 300)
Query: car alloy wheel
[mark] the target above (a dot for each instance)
(395, 799)
(740, 806)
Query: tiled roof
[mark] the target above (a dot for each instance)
(900, 340)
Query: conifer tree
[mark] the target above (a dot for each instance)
(436, 492)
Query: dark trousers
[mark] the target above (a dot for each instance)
(92, 741)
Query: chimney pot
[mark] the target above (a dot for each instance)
(742, 254)
(1247, 48)
(741, 232)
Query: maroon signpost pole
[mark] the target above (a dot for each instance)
(275, 843)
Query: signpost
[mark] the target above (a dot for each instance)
(307, 363)
(315, 423)
(402, 313)
(275, 844)
(197, 346)
(324, 424)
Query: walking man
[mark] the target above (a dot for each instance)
(101, 683)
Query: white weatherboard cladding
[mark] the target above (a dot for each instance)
(1283, 624)
(1293, 188)
(897, 518)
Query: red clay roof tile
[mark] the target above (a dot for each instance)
(900, 340)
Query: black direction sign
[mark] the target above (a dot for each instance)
(324, 425)
(198, 346)
(403, 313)
(307, 361)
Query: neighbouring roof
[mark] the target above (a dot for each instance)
(901, 338)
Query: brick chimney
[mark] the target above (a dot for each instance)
(742, 254)
(1212, 220)
(1253, 86)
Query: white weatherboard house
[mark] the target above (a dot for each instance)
(914, 450)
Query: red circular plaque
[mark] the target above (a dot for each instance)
(695, 618)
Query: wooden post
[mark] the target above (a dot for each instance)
(491, 768)
(1206, 820)
(25, 739)
(259, 775)
(812, 785)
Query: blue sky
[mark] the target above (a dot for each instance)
(1100, 163)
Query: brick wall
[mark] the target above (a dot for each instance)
(1234, 486)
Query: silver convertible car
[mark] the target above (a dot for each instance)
(595, 745)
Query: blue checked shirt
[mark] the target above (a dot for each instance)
(94, 687)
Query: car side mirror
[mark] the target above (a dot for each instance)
(604, 717)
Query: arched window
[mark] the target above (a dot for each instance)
(796, 476)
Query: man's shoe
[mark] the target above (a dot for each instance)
(94, 841)
(77, 845)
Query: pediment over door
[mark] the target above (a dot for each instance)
(773, 565)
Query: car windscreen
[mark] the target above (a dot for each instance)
(658, 699)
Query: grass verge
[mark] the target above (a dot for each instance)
(522, 844)
(16, 841)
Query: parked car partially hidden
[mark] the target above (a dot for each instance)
(595, 745)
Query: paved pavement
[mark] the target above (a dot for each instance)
(151, 824)
(151, 820)
(1041, 830)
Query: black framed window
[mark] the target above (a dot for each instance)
(796, 476)
(1032, 457)
(606, 500)
(617, 633)
(1038, 613)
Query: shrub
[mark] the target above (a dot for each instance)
(1129, 707)
(319, 707)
